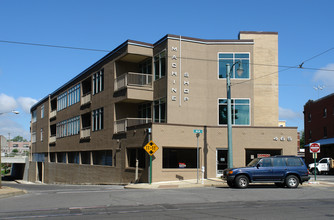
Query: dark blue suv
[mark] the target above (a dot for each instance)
(282, 170)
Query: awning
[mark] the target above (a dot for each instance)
(322, 142)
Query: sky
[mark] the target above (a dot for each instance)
(29, 73)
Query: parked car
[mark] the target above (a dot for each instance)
(282, 170)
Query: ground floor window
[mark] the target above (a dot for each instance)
(85, 157)
(52, 157)
(73, 157)
(61, 157)
(179, 158)
(134, 154)
(103, 157)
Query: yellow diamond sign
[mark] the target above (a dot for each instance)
(151, 148)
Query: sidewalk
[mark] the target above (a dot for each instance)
(213, 182)
(9, 192)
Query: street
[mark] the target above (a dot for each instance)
(106, 201)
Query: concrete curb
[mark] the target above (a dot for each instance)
(6, 192)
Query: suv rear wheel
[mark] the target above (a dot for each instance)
(241, 181)
(292, 181)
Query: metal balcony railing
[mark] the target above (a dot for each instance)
(122, 124)
(133, 79)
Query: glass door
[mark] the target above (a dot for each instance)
(221, 161)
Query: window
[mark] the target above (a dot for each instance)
(278, 162)
(134, 154)
(73, 157)
(74, 95)
(41, 134)
(265, 162)
(98, 82)
(294, 162)
(146, 66)
(34, 116)
(85, 157)
(160, 111)
(240, 111)
(144, 110)
(325, 131)
(179, 157)
(103, 157)
(33, 137)
(97, 118)
(309, 134)
(231, 58)
(325, 113)
(309, 117)
(62, 101)
(160, 65)
(42, 111)
(68, 127)
(52, 157)
(61, 157)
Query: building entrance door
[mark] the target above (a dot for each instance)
(221, 161)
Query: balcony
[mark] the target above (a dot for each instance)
(122, 124)
(86, 99)
(134, 86)
(85, 133)
(52, 139)
(53, 114)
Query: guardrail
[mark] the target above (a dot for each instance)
(133, 79)
(122, 124)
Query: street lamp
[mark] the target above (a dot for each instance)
(240, 70)
(13, 111)
(1, 113)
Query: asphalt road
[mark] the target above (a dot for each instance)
(106, 202)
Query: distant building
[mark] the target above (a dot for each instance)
(94, 127)
(281, 123)
(319, 126)
(3, 145)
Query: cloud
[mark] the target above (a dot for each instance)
(26, 103)
(8, 126)
(325, 77)
(7, 103)
(285, 114)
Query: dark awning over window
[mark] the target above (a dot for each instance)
(326, 141)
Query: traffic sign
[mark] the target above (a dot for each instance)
(198, 131)
(314, 148)
(151, 148)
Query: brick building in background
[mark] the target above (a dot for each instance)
(319, 126)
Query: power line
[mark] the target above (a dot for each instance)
(107, 51)
(55, 46)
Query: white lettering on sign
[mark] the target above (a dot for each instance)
(186, 91)
(174, 57)
(174, 65)
(174, 49)
(174, 90)
(173, 98)
(186, 99)
(174, 81)
(186, 74)
(186, 83)
(174, 73)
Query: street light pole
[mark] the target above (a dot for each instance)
(1, 113)
(229, 110)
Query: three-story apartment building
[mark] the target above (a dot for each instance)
(94, 127)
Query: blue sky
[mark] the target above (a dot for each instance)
(29, 73)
